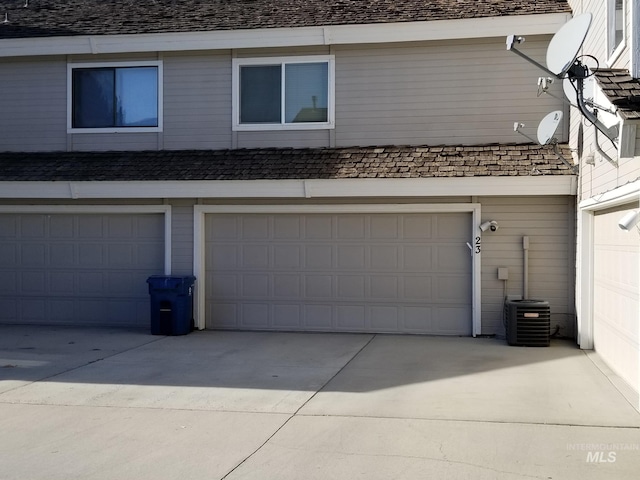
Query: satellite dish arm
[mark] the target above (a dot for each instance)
(582, 106)
(512, 40)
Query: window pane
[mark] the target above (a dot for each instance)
(306, 92)
(93, 101)
(137, 97)
(619, 26)
(260, 94)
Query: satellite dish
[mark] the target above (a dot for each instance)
(548, 127)
(566, 44)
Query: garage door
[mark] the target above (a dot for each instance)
(85, 269)
(339, 272)
(616, 305)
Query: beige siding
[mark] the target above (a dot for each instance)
(602, 176)
(549, 222)
(182, 237)
(463, 92)
(285, 138)
(33, 96)
(197, 101)
(96, 142)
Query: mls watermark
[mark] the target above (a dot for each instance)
(603, 452)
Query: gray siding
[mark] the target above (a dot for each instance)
(549, 222)
(602, 176)
(464, 92)
(285, 138)
(95, 142)
(182, 237)
(197, 101)
(33, 99)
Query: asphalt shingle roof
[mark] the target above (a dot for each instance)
(622, 90)
(286, 163)
(105, 17)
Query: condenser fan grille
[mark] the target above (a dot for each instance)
(527, 322)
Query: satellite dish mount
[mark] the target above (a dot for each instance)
(563, 63)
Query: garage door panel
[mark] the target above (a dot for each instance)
(288, 286)
(350, 227)
(318, 286)
(318, 227)
(79, 268)
(385, 287)
(417, 258)
(337, 272)
(453, 259)
(616, 300)
(417, 227)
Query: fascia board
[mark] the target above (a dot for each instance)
(287, 37)
(381, 188)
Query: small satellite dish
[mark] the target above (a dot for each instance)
(566, 44)
(548, 127)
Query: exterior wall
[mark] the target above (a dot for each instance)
(182, 237)
(197, 101)
(549, 222)
(460, 92)
(601, 176)
(464, 92)
(33, 96)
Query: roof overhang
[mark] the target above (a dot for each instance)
(287, 37)
(389, 187)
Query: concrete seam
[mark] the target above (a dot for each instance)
(299, 408)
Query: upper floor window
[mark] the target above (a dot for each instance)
(115, 97)
(283, 93)
(615, 27)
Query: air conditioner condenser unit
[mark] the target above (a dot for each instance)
(527, 322)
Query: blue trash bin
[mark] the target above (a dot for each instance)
(171, 304)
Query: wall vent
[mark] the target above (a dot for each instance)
(527, 322)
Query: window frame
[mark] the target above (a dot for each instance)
(614, 51)
(90, 65)
(237, 63)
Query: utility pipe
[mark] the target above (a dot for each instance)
(525, 283)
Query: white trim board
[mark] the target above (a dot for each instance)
(487, 27)
(199, 265)
(103, 209)
(362, 187)
(628, 194)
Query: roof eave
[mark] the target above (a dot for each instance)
(287, 37)
(374, 187)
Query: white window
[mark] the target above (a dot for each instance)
(615, 28)
(114, 97)
(283, 93)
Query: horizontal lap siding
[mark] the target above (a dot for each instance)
(438, 92)
(197, 101)
(550, 225)
(182, 237)
(33, 94)
(287, 138)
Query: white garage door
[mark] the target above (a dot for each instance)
(406, 273)
(86, 269)
(616, 274)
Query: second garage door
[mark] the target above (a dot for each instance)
(616, 302)
(403, 273)
(78, 269)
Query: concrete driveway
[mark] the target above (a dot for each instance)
(115, 404)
